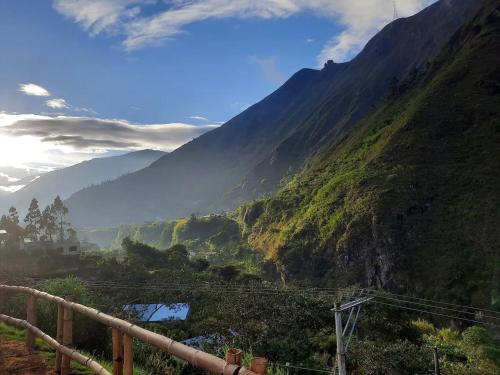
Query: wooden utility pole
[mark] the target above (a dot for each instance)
(437, 370)
(340, 341)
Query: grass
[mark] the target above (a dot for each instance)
(14, 334)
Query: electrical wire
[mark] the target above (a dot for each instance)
(437, 307)
(300, 367)
(432, 301)
(435, 313)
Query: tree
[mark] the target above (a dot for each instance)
(13, 215)
(48, 224)
(33, 219)
(59, 210)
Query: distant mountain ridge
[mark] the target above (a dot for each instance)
(250, 154)
(66, 181)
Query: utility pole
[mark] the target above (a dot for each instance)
(340, 331)
(437, 370)
(396, 15)
(340, 341)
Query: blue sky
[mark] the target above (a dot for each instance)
(185, 66)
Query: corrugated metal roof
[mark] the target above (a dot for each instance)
(158, 312)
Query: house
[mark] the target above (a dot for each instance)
(65, 248)
(157, 313)
(11, 232)
(4, 236)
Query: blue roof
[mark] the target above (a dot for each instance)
(158, 312)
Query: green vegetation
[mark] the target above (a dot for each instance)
(13, 334)
(408, 200)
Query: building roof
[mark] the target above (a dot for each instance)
(12, 228)
(154, 313)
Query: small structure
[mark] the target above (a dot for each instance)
(65, 248)
(11, 232)
(4, 236)
(157, 313)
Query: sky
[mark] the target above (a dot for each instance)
(89, 78)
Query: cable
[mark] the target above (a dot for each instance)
(263, 290)
(299, 367)
(435, 313)
(432, 301)
(436, 307)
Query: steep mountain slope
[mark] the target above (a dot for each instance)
(67, 181)
(251, 153)
(410, 199)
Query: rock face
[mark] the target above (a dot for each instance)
(249, 155)
(409, 199)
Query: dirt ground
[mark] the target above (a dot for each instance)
(16, 360)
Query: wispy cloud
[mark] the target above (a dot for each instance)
(199, 118)
(32, 89)
(359, 18)
(88, 133)
(269, 68)
(56, 103)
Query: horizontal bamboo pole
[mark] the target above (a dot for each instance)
(197, 358)
(77, 357)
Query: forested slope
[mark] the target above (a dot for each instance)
(410, 199)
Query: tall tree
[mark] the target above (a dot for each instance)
(13, 215)
(33, 220)
(59, 210)
(48, 224)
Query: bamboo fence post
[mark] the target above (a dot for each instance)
(3, 299)
(128, 355)
(31, 319)
(67, 339)
(259, 365)
(117, 337)
(234, 356)
(59, 336)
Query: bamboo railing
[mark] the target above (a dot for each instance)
(123, 333)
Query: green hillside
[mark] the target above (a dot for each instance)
(410, 199)
(250, 154)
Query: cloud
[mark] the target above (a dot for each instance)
(363, 19)
(90, 134)
(32, 89)
(269, 69)
(56, 103)
(200, 118)
(360, 19)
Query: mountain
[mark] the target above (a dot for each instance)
(66, 181)
(249, 155)
(409, 200)
(13, 178)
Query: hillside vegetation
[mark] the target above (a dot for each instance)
(410, 199)
(251, 154)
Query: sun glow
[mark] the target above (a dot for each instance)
(20, 151)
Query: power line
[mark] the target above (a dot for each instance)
(431, 301)
(435, 313)
(264, 290)
(436, 307)
(300, 367)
